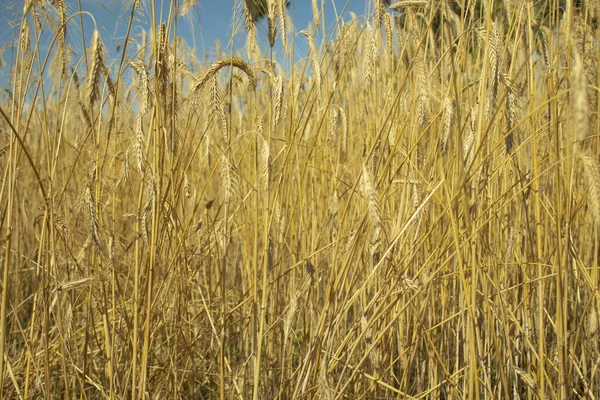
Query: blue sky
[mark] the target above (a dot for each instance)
(209, 20)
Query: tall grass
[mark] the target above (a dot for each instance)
(409, 210)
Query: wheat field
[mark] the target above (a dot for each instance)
(398, 205)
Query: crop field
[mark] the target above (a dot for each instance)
(403, 204)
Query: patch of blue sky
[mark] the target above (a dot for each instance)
(206, 27)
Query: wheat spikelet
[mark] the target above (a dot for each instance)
(409, 3)
(592, 173)
(187, 186)
(416, 198)
(545, 34)
(370, 55)
(68, 320)
(163, 70)
(593, 8)
(512, 114)
(278, 98)
(281, 6)
(172, 137)
(111, 246)
(346, 42)
(93, 216)
(228, 178)
(379, 6)
(423, 107)
(76, 284)
(512, 239)
(591, 323)
(580, 99)
(139, 146)
(280, 220)
(250, 24)
(237, 62)
(469, 141)
(215, 95)
(370, 193)
(314, 58)
(344, 137)
(375, 354)
(2, 51)
(335, 204)
(224, 124)
(409, 283)
(112, 90)
(494, 48)
(271, 22)
(97, 51)
(59, 224)
(216, 106)
(206, 154)
(161, 43)
(389, 33)
(62, 53)
(333, 122)
(252, 11)
(82, 106)
(350, 240)
(186, 7)
(509, 7)
(449, 109)
(142, 70)
(147, 210)
(25, 39)
(144, 226)
(297, 303)
(316, 13)
(265, 162)
(528, 379)
(126, 166)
